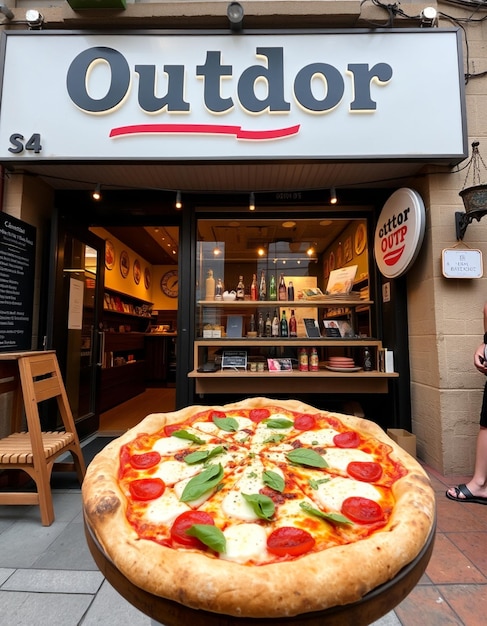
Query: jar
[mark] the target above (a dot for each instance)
(303, 360)
(313, 360)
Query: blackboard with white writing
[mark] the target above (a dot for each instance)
(17, 266)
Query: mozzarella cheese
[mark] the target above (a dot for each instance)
(244, 542)
(165, 509)
(323, 437)
(331, 494)
(339, 458)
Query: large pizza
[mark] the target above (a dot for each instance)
(261, 508)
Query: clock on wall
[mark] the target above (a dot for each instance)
(169, 284)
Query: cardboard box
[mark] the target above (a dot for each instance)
(404, 438)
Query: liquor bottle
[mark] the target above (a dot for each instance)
(252, 324)
(210, 286)
(313, 360)
(272, 288)
(260, 325)
(284, 325)
(240, 289)
(275, 325)
(219, 289)
(293, 325)
(268, 325)
(282, 288)
(262, 287)
(367, 360)
(253, 287)
(290, 291)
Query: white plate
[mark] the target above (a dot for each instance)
(343, 369)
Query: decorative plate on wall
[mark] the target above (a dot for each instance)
(169, 284)
(109, 255)
(360, 239)
(124, 263)
(147, 278)
(137, 271)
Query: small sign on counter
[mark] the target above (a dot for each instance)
(462, 263)
(234, 359)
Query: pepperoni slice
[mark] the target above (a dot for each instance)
(171, 428)
(145, 460)
(147, 488)
(289, 541)
(362, 510)
(258, 415)
(366, 471)
(183, 522)
(304, 421)
(348, 439)
(217, 414)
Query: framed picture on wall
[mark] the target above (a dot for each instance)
(124, 263)
(109, 254)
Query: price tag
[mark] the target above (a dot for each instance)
(462, 263)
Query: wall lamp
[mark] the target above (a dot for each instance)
(474, 197)
(179, 202)
(429, 17)
(7, 12)
(333, 196)
(235, 14)
(34, 19)
(252, 201)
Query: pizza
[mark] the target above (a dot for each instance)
(261, 508)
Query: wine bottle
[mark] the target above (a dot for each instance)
(260, 325)
(240, 289)
(262, 287)
(275, 325)
(284, 325)
(268, 326)
(290, 291)
(272, 288)
(282, 288)
(253, 287)
(293, 325)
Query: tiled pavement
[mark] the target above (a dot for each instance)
(47, 574)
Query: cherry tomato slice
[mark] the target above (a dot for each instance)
(362, 510)
(147, 488)
(366, 471)
(217, 414)
(258, 415)
(183, 522)
(171, 428)
(304, 422)
(145, 460)
(348, 439)
(289, 540)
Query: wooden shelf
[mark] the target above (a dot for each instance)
(328, 302)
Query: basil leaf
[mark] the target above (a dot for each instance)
(275, 438)
(315, 484)
(305, 456)
(262, 505)
(201, 456)
(273, 480)
(202, 483)
(229, 424)
(183, 434)
(334, 518)
(210, 535)
(279, 422)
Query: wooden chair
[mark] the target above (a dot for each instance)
(34, 451)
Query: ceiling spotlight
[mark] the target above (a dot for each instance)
(179, 203)
(34, 19)
(235, 14)
(216, 251)
(96, 195)
(7, 12)
(333, 196)
(428, 17)
(252, 201)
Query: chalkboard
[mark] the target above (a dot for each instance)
(17, 268)
(234, 359)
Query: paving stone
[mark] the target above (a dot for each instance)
(53, 581)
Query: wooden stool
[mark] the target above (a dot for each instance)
(35, 451)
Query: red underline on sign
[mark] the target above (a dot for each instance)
(205, 129)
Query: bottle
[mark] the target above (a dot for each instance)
(290, 291)
(268, 326)
(272, 288)
(252, 324)
(275, 325)
(367, 360)
(219, 289)
(282, 288)
(240, 289)
(262, 287)
(293, 325)
(284, 325)
(303, 360)
(253, 287)
(210, 286)
(313, 360)
(260, 325)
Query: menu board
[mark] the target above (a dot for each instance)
(17, 266)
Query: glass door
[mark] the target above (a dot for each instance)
(76, 307)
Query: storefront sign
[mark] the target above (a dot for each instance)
(260, 95)
(17, 258)
(399, 233)
(462, 263)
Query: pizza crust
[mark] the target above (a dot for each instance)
(313, 582)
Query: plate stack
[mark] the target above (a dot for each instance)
(342, 364)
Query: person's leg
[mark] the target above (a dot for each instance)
(477, 486)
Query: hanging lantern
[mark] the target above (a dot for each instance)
(474, 197)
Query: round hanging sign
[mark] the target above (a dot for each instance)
(399, 232)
